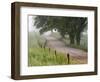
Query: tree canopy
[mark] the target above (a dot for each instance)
(72, 26)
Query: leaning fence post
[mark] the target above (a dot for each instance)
(68, 57)
(55, 53)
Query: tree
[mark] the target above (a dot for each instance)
(80, 25)
(73, 26)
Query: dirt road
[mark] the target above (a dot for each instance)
(76, 54)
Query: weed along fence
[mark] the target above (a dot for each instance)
(57, 54)
(59, 57)
(43, 55)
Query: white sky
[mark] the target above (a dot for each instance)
(31, 26)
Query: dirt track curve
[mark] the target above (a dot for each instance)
(59, 46)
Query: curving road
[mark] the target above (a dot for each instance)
(59, 46)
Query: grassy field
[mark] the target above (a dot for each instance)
(44, 57)
(40, 56)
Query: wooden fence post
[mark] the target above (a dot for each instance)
(55, 52)
(68, 58)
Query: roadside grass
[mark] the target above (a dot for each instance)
(44, 57)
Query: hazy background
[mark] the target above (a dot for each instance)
(33, 28)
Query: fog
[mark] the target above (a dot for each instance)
(32, 28)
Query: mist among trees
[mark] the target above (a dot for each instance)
(72, 26)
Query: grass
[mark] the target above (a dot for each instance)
(39, 56)
(44, 57)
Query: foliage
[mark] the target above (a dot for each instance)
(73, 26)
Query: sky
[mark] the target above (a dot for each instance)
(31, 26)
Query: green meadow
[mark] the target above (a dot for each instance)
(42, 56)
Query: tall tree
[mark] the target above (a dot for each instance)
(80, 25)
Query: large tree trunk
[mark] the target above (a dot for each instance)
(72, 41)
(62, 34)
(78, 38)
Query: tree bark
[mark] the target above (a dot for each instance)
(78, 37)
(72, 41)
